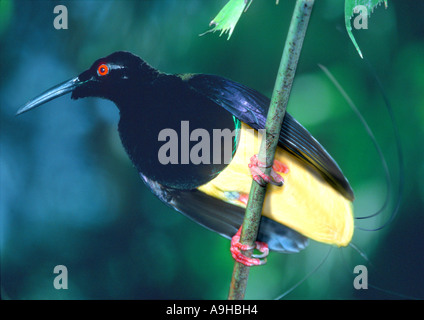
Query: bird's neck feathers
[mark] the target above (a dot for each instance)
(149, 74)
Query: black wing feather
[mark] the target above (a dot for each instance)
(225, 218)
(251, 107)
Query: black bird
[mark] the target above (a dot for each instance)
(171, 126)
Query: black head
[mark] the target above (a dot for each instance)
(110, 77)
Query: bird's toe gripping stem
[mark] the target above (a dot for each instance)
(274, 178)
(257, 260)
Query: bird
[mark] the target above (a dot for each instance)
(172, 127)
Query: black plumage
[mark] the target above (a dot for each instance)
(150, 101)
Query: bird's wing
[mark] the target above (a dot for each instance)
(251, 107)
(225, 218)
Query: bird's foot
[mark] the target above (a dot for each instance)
(257, 260)
(274, 178)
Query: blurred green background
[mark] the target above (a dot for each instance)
(70, 196)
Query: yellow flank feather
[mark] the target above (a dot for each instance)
(306, 202)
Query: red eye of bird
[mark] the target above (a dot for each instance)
(102, 70)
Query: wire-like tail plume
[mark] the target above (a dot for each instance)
(377, 147)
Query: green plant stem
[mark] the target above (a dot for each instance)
(277, 110)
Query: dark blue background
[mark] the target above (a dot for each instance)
(70, 196)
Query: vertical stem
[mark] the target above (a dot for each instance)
(276, 112)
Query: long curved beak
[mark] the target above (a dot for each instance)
(51, 94)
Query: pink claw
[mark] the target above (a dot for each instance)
(280, 167)
(260, 177)
(236, 246)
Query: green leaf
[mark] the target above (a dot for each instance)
(228, 17)
(350, 10)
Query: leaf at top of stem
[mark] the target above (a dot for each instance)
(350, 6)
(228, 17)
